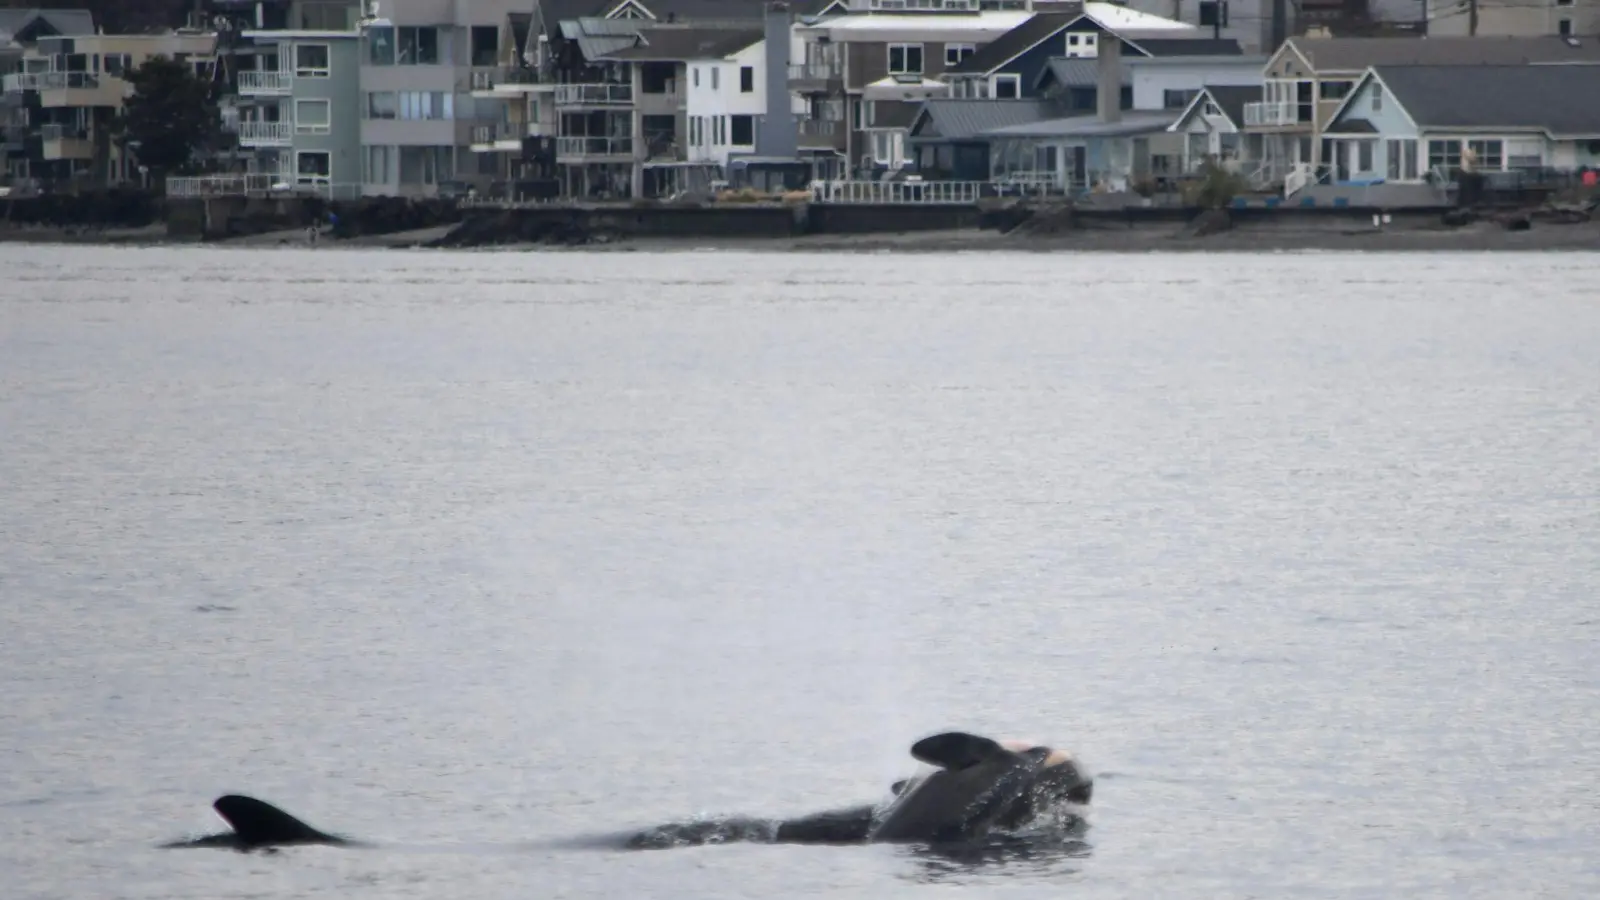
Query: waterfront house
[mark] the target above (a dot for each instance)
(948, 138)
(418, 63)
(875, 67)
(20, 29)
(1308, 78)
(1409, 124)
(1211, 127)
(1012, 66)
(516, 118)
(296, 106)
(1156, 74)
(73, 89)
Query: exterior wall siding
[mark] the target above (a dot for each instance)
(1152, 81)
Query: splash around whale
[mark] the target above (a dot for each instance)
(978, 789)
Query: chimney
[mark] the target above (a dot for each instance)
(778, 135)
(1108, 86)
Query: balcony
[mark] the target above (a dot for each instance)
(506, 83)
(58, 89)
(819, 77)
(265, 84)
(65, 142)
(1271, 114)
(502, 136)
(266, 134)
(821, 133)
(594, 95)
(594, 149)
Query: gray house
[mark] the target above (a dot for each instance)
(297, 109)
(418, 68)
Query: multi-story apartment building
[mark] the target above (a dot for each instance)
(420, 61)
(19, 30)
(515, 112)
(73, 88)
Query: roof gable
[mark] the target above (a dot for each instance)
(1559, 100)
(1229, 100)
(966, 119)
(1036, 30)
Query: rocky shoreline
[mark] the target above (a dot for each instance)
(388, 226)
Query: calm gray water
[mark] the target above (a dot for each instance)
(473, 554)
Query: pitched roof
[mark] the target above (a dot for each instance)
(66, 22)
(1015, 42)
(1078, 71)
(698, 11)
(1232, 98)
(1561, 100)
(520, 23)
(1356, 54)
(950, 119)
(675, 43)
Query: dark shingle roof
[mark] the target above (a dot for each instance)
(1355, 54)
(1559, 99)
(961, 119)
(1078, 71)
(52, 22)
(1015, 42)
(1231, 99)
(699, 10)
(677, 43)
(1167, 46)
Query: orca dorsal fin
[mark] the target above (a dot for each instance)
(956, 750)
(259, 823)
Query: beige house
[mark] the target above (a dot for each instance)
(80, 89)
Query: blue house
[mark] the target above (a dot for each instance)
(947, 137)
(1416, 123)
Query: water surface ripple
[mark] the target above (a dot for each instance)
(475, 553)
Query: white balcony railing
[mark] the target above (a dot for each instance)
(594, 95)
(50, 81)
(269, 83)
(266, 134)
(1271, 112)
(816, 71)
(896, 191)
(53, 132)
(820, 127)
(594, 146)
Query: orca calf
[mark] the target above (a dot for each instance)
(980, 788)
(258, 825)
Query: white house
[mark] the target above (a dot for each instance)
(725, 96)
(1170, 82)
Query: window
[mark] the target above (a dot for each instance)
(311, 61)
(1444, 155)
(1083, 44)
(426, 165)
(117, 63)
(1364, 155)
(1335, 90)
(1377, 97)
(313, 163)
(955, 53)
(747, 80)
(426, 105)
(1525, 153)
(380, 165)
(485, 48)
(1007, 87)
(742, 130)
(1177, 99)
(694, 131)
(311, 116)
(1402, 160)
(1491, 154)
(1211, 109)
(1564, 27)
(715, 71)
(418, 47)
(1214, 13)
(905, 59)
(380, 45)
(695, 74)
(720, 126)
(382, 105)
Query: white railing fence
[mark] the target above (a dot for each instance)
(896, 191)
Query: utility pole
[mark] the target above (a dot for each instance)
(1472, 18)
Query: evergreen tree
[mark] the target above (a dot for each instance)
(171, 118)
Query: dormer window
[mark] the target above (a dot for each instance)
(1083, 45)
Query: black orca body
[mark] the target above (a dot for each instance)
(980, 788)
(259, 825)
